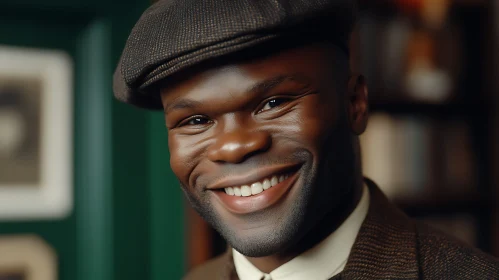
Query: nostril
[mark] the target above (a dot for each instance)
(237, 147)
(249, 155)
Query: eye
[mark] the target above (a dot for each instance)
(274, 102)
(195, 121)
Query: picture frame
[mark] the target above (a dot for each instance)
(27, 257)
(36, 134)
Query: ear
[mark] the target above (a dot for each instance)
(357, 103)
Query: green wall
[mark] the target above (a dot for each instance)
(127, 221)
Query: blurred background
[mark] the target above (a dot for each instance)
(86, 191)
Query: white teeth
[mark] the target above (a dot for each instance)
(245, 191)
(266, 184)
(229, 191)
(274, 181)
(256, 188)
(237, 191)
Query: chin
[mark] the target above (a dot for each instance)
(273, 231)
(266, 240)
(262, 246)
(270, 231)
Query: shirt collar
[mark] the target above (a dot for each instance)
(323, 261)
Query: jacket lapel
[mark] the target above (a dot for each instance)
(385, 248)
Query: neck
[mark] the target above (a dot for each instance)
(323, 229)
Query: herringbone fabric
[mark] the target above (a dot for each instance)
(173, 35)
(391, 246)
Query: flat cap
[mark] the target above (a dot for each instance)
(173, 35)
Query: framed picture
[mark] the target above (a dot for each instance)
(27, 258)
(36, 118)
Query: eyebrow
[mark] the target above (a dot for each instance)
(261, 87)
(273, 82)
(183, 103)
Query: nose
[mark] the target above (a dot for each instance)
(237, 146)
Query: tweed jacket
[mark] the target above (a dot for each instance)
(390, 245)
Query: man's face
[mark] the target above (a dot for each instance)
(263, 149)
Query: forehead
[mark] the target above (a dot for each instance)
(312, 62)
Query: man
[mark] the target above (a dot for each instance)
(263, 117)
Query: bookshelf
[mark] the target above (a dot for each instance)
(446, 156)
(432, 74)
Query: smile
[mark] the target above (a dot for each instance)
(260, 190)
(256, 187)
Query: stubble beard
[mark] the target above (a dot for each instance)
(325, 189)
(283, 224)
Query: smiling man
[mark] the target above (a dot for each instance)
(263, 117)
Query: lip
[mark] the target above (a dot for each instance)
(254, 176)
(249, 204)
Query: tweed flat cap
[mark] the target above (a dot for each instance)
(173, 35)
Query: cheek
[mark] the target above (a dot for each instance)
(314, 122)
(182, 158)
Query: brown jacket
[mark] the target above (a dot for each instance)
(390, 246)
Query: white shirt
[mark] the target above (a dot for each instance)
(321, 262)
